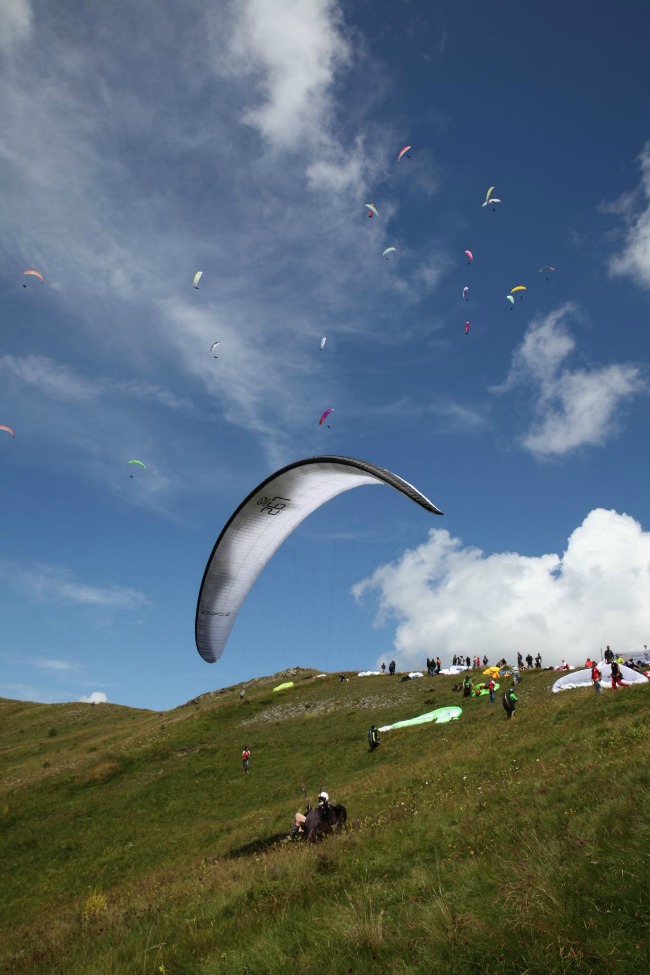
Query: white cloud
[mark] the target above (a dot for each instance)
(447, 598)
(572, 408)
(293, 49)
(54, 583)
(54, 666)
(53, 379)
(97, 697)
(16, 20)
(634, 259)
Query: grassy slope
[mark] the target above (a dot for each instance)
(131, 842)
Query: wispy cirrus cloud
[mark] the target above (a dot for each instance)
(56, 584)
(572, 407)
(59, 381)
(17, 17)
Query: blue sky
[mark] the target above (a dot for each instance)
(141, 143)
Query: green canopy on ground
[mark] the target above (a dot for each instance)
(439, 716)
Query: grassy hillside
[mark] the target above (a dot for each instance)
(131, 842)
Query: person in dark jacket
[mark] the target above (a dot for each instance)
(373, 737)
(509, 702)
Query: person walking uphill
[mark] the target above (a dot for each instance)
(373, 737)
(617, 678)
(245, 756)
(509, 702)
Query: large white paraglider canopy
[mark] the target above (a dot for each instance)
(582, 678)
(259, 526)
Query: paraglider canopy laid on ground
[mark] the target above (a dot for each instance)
(583, 678)
(260, 525)
(439, 716)
(283, 687)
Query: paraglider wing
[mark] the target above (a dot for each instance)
(466, 328)
(8, 429)
(488, 195)
(139, 462)
(372, 208)
(325, 415)
(547, 267)
(510, 299)
(519, 287)
(323, 342)
(470, 256)
(37, 274)
(465, 291)
(389, 250)
(213, 347)
(261, 524)
(197, 278)
(403, 152)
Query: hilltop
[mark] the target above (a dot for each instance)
(131, 841)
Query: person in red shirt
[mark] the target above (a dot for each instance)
(245, 756)
(595, 676)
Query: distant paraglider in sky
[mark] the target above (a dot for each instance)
(389, 250)
(323, 342)
(511, 300)
(259, 526)
(519, 287)
(33, 273)
(404, 152)
(466, 328)
(470, 256)
(466, 293)
(547, 267)
(372, 209)
(324, 416)
(7, 429)
(139, 463)
(213, 347)
(489, 198)
(197, 278)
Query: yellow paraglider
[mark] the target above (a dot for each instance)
(519, 287)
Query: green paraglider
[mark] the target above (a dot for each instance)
(439, 716)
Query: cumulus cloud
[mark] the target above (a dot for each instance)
(448, 598)
(572, 407)
(634, 259)
(97, 697)
(293, 48)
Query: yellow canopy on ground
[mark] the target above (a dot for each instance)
(491, 672)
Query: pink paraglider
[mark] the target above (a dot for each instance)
(403, 152)
(470, 256)
(466, 328)
(324, 417)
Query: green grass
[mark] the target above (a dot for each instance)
(131, 842)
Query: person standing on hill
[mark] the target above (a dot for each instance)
(438, 665)
(373, 737)
(391, 667)
(509, 702)
(245, 758)
(538, 661)
(383, 668)
(529, 661)
(609, 656)
(485, 661)
(595, 676)
(491, 686)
